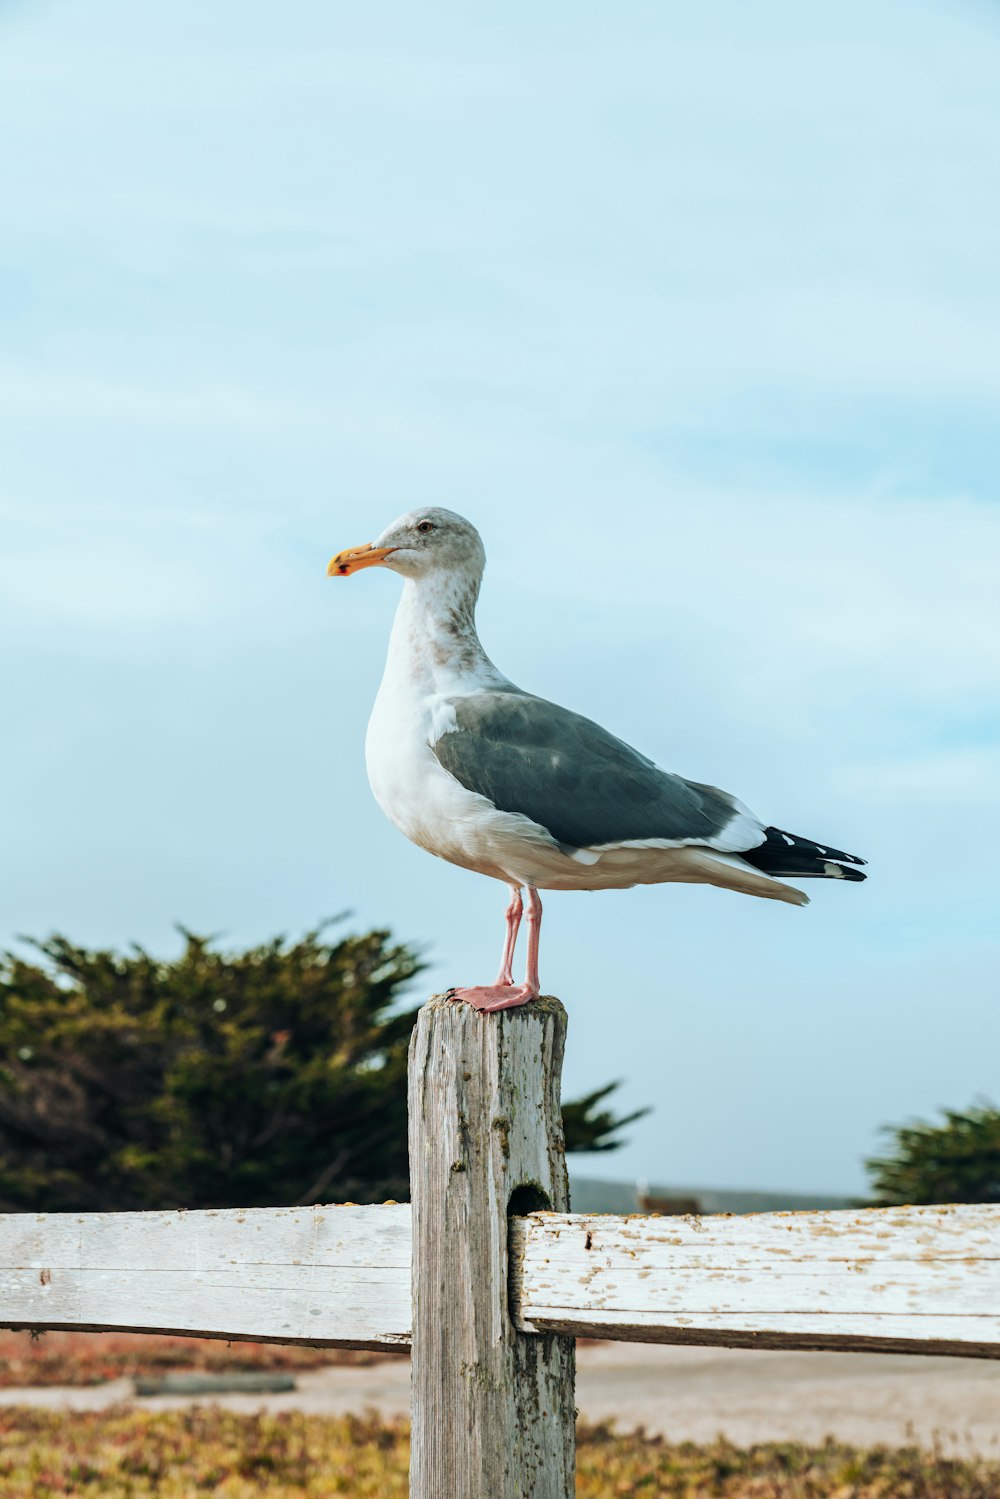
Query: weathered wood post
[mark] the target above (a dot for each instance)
(493, 1409)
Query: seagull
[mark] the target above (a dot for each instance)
(494, 779)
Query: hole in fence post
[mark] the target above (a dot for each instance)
(528, 1198)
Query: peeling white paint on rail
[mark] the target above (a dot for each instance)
(925, 1280)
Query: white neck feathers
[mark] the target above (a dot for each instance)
(434, 644)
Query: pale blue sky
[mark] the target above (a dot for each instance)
(695, 311)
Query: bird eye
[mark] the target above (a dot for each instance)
(425, 526)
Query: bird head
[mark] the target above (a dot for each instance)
(417, 544)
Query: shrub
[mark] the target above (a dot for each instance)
(269, 1077)
(957, 1161)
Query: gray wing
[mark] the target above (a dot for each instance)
(573, 778)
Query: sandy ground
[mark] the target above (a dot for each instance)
(684, 1393)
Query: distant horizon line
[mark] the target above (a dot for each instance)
(639, 1183)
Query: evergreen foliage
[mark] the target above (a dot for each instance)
(261, 1078)
(588, 1127)
(957, 1161)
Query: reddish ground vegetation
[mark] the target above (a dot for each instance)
(86, 1358)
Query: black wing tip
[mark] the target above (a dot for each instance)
(810, 846)
(843, 872)
(784, 853)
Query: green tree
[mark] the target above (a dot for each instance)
(266, 1077)
(956, 1161)
(588, 1127)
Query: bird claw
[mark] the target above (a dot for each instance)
(489, 998)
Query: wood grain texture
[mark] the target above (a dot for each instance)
(338, 1276)
(925, 1280)
(915, 1279)
(493, 1410)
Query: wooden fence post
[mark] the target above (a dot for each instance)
(493, 1409)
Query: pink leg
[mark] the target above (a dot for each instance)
(505, 994)
(513, 914)
(534, 932)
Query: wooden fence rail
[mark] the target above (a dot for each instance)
(489, 1278)
(922, 1280)
(883, 1280)
(339, 1276)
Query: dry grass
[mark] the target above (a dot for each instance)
(611, 1464)
(128, 1454)
(87, 1358)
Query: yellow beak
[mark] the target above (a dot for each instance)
(355, 558)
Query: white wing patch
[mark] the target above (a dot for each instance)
(443, 719)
